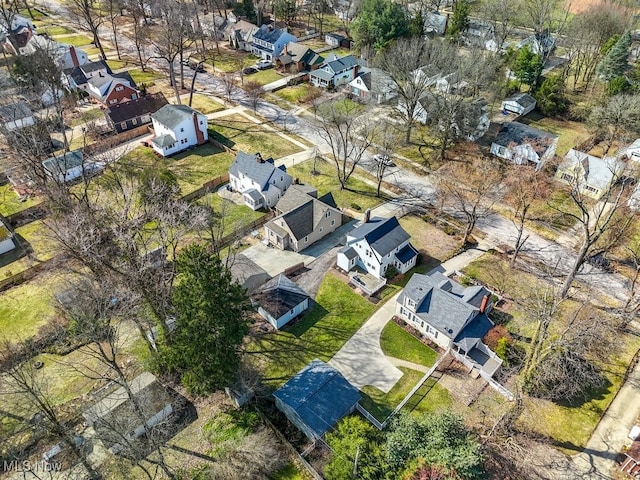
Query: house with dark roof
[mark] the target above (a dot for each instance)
(335, 71)
(15, 115)
(452, 316)
(520, 104)
(298, 58)
(280, 300)
(589, 175)
(77, 77)
(268, 42)
(248, 273)
(302, 219)
(128, 115)
(240, 34)
(316, 399)
(435, 23)
(176, 128)
(521, 144)
(376, 244)
(116, 419)
(260, 182)
(373, 85)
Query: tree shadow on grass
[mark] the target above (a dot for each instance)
(315, 313)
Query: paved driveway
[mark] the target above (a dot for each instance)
(361, 360)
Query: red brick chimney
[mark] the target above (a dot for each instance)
(485, 302)
(199, 135)
(74, 56)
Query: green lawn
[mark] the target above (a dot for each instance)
(289, 472)
(264, 77)
(544, 218)
(25, 308)
(338, 314)
(118, 64)
(397, 342)
(87, 116)
(56, 30)
(193, 168)
(76, 41)
(431, 397)
(360, 194)
(239, 133)
(146, 77)
(234, 216)
(10, 203)
(44, 248)
(296, 93)
(203, 104)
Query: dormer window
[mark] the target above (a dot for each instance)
(119, 88)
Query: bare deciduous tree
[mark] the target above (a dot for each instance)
(255, 92)
(502, 15)
(617, 120)
(88, 14)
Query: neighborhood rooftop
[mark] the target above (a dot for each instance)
(122, 112)
(518, 133)
(254, 167)
(172, 115)
(382, 234)
(14, 111)
(279, 295)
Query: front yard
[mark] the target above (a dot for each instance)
(338, 313)
(398, 343)
(264, 77)
(10, 203)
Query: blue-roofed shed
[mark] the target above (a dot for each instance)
(316, 398)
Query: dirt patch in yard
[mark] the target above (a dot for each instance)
(428, 239)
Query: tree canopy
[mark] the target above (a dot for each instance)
(614, 63)
(459, 19)
(378, 22)
(438, 440)
(210, 324)
(528, 66)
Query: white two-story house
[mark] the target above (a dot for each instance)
(268, 42)
(376, 244)
(178, 127)
(259, 181)
(335, 71)
(452, 316)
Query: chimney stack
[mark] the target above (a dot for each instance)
(367, 215)
(485, 302)
(259, 158)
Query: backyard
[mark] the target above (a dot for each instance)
(570, 133)
(231, 216)
(337, 314)
(11, 203)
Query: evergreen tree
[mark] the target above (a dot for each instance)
(614, 63)
(417, 25)
(618, 85)
(379, 22)
(211, 322)
(550, 96)
(459, 19)
(528, 67)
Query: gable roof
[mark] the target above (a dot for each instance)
(147, 105)
(294, 197)
(243, 268)
(341, 64)
(279, 296)
(63, 163)
(296, 52)
(443, 303)
(268, 34)
(523, 99)
(258, 171)
(303, 219)
(14, 111)
(319, 395)
(519, 134)
(79, 73)
(597, 172)
(173, 115)
(382, 234)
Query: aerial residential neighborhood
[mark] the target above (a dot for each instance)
(296, 240)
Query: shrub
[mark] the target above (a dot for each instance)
(356, 207)
(391, 271)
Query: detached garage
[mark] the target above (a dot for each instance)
(520, 104)
(280, 300)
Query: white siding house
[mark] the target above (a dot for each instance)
(15, 116)
(521, 144)
(375, 245)
(335, 72)
(259, 181)
(520, 104)
(178, 127)
(6, 239)
(280, 300)
(631, 152)
(589, 175)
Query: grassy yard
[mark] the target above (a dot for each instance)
(25, 308)
(360, 194)
(234, 216)
(55, 30)
(192, 168)
(296, 93)
(203, 104)
(76, 41)
(10, 203)
(545, 219)
(87, 116)
(44, 248)
(118, 64)
(147, 77)
(264, 77)
(431, 397)
(397, 342)
(232, 61)
(570, 133)
(289, 472)
(429, 239)
(338, 314)
(239, 133)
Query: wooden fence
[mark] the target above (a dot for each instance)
(206, 187)
(114, 140)
(229, 239)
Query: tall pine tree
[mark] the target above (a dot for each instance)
(614, 63)
(459, 19)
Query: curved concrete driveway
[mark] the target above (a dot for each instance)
(361, 360)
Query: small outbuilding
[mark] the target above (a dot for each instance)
(280, 300)
(520, 104)
(248, 273)
(316, 399)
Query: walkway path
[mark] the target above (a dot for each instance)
(398, 362)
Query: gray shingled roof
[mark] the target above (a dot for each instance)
(382, 234)
(319, 395)
(268, 34)
(172, 115)
(259, 172)
(164, 140)
(294, 197)
(279, 296)
(243, 267)
(518, 133)
(342, 64)
(598, 172)
(348, 252)
(61, 164)
(443, 303)
(15, 111)
(322, 74)
(523, 99)
(122, 112)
